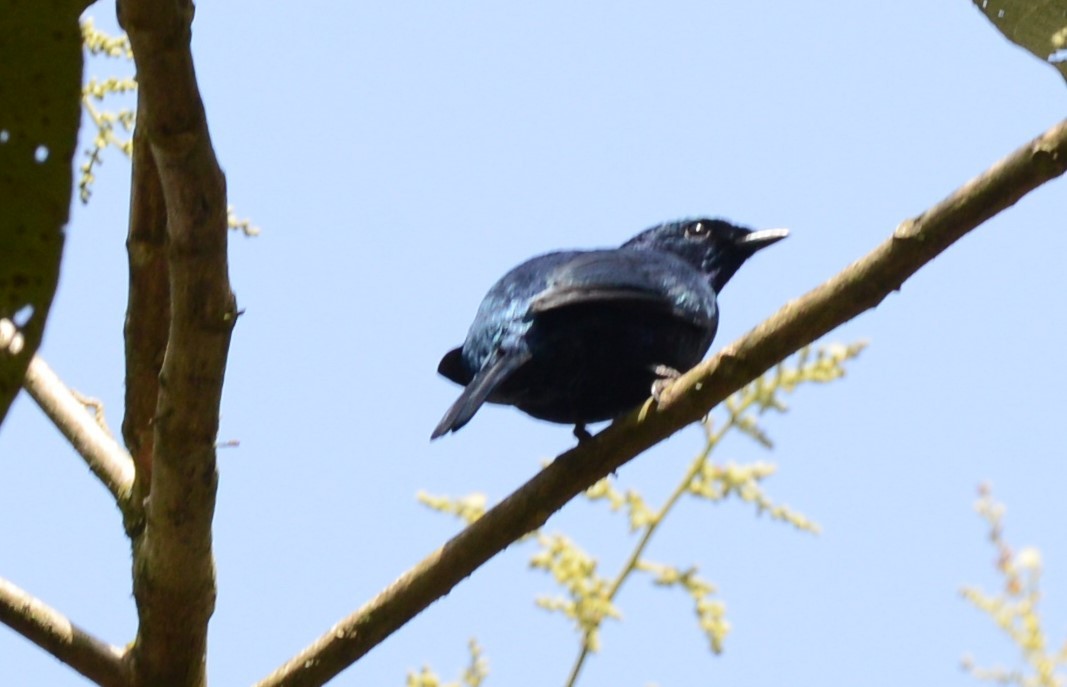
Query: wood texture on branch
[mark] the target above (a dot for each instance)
(50, 630)
(173, 569)
(148, 302)
(859, 287)
(107, 460)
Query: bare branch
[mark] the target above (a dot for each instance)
(174, 577)
(148, 306)
(859, 287)
(49, 629)
(105, 457)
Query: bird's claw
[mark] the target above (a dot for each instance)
(665, 377)
(581, 433)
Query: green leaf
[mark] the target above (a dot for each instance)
(1039, 26)
(40, 91)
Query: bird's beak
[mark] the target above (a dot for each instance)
(755, 240)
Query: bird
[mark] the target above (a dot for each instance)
(582, 336)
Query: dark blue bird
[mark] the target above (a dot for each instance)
(583, 336)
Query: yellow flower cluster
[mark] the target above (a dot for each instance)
(473, 675)
(588, 597)
(1015, 608)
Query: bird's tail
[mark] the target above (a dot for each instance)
(477, 392)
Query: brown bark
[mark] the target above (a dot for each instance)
(173, 569)
(48, 629)
(148, 306)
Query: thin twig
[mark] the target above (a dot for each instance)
(859, 287)
(646, 537)
(49, 629)
(107, 460)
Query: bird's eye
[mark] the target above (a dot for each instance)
(696, 229)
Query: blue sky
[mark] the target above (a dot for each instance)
(401, 157)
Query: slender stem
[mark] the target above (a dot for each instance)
(107, 460)
(52, 631)
(650, 529)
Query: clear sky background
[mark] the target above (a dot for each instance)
(401, 156)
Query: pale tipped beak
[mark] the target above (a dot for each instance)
(762, 238)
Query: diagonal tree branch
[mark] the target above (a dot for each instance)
(105, 458)
(861, 286)
(50, 630)
(173, 570)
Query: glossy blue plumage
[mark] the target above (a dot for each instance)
(581, 336)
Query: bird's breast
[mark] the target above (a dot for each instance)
(594, 363)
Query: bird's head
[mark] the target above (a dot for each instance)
(714, 246)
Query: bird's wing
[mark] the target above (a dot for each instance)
(562, 296)
(478, 390)
(643, 279)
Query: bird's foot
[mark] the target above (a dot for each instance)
(666, 376)
(581, 433)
